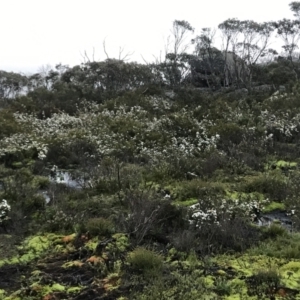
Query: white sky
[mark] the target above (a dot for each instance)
(41, 32)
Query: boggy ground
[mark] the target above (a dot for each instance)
(95, 262)
(53, 266)
(62, 267)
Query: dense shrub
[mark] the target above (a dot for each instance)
(227, 236)
(264, 282)
(100, 226)
(284, 246)
(281, 73)
(61, 156)
(145, 261)
(273, 185)
(199, 189)
(274, 231)
(176, 286)
(185, 240)
(222, 287)
(229, 133)
(54, 220)
(8, 124)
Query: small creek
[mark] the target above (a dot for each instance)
(276, 216)
(66, 178)
(62, 177)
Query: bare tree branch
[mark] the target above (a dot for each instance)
(125, 57)
(104, 49)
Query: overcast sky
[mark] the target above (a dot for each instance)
(40, 32)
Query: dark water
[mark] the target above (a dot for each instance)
(277, 216)
(66, 178)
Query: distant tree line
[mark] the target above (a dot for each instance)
(245, 61)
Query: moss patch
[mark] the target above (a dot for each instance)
(245, 196)
(31, 248)
(248, 265)
(187, 202)
(288, 164)
(274, 206)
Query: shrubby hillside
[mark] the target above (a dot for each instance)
(177, 179)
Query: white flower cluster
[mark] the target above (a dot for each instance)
(284, 123)
(228, 209)
(159, 103)
(201, 217)
(4, 209)
(117, 128)
(37, 133)
(277, 95)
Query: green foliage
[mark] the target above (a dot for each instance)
(187, 202)
(281, 73)
(286, 164)
(177, 286)
(145, 261)
(21, 190)
(100, 226)
(91, 206)
(31, 248)
(284, 246)
(264, 282)
(229, 133)
(274, 206)
(62, 156)
(41, 182)
(222, 287)
(185, 240)
(292, 266)
(99, 81)
(197, 188)
(149, 215)
(107, 186)
(56, 220)
(272, 184)
(274, 231)
(34, 203)
(122, 241)
(8, 124)
(11, 84)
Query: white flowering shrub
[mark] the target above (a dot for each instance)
(120, 129)
(221, 225)
(214, 212)
(4, 210)
(282, 125)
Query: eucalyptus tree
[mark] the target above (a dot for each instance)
(254, 44)
(289, 32)
(230, 30)
(207, 63)
(99, 81)
(12, 84)
(175, 67)
(245, 43)
(295, 8)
